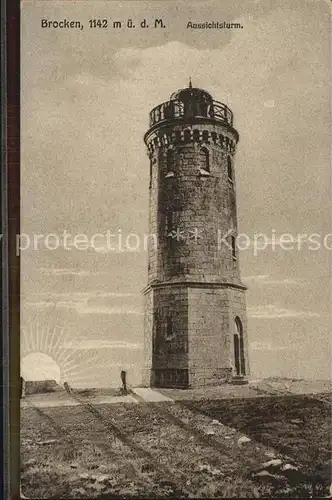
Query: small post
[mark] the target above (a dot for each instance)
(123, 379)
(22, 391)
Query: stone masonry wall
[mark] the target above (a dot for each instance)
(197, 207)
(170, 332)
(166, 336)
(41, 386)
(209, 336)
(203, 322)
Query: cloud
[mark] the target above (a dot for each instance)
(51, 271)
(265, 279)
(84, 295)
(259, 278)
(285, 281)
(68, 304)
(90, 303)
(41, 304)
(269, 103)
(86, 309)
(83, 307)
(268, 346)
(83, 344)
(271, 311)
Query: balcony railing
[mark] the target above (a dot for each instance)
(177, 109)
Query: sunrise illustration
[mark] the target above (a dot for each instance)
(175, 249)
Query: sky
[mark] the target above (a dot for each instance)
(86, 96)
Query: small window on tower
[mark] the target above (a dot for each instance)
(169, 223)
(205, 136)
(170, 163)
(229, 169)
(204, 162)
(151, 163)
(233, 241)
(177, 136)
(169, 329)
(186, 136)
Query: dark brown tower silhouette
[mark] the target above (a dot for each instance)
(195, 316)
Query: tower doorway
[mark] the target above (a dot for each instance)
(239, 359)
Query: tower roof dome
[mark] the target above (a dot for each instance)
(191, 93)
(191, 103)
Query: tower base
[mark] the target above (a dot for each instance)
(239, 380)
(190, 334)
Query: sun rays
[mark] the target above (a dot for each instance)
(39, 366)
(48, 345)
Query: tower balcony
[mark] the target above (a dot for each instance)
(176, 109)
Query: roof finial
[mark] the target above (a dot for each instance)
(190, 84)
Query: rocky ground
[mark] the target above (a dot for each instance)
(262, 444)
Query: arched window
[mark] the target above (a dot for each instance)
(233, 243)
(187, 136)
(155, 331)
(196, 135)
(169, 223)
(204, 162)
(239, 358)
(170, 159)
(178, 108)
(168, 110)
(165, 139)
(169, 328)
(205, 136)
(229, 168)
(202, 108)
(170, 163)
(151, 163)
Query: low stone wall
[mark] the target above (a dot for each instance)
(41, 386)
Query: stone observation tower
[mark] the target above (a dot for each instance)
(195, 313)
